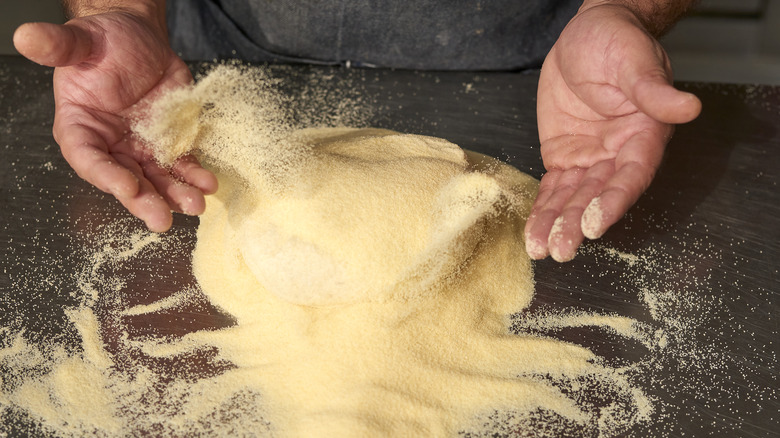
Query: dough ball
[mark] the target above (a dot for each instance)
(369, 215)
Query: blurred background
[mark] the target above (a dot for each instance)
(735, 41)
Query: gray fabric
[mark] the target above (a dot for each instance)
(420, 34)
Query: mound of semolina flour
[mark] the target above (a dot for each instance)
(372, 276)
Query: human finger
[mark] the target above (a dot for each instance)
(189, 170)
(121, 177)
(53, 45)
(147, 204)
(535, 245)
(86, 152)
(179, 195)
(553, 196)
(631, 178)
(645, 76)
(664, 103)
(564, 238)
(566, 234)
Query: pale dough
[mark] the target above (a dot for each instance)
(371, 214)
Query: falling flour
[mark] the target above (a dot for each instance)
(378, 286)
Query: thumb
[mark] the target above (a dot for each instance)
(53, 45)
(654, 96)
(645, 77)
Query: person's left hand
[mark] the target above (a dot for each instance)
(605, 112)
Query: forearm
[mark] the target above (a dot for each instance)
(657, 16)
(151, 9)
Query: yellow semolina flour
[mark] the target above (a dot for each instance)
(372, 277)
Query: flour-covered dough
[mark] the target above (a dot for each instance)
(371, 213)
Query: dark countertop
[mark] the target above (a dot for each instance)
(710, 224)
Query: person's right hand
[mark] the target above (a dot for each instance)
(105, 65)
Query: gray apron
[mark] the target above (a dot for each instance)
(417, 34)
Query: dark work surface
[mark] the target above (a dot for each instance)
(710, 223)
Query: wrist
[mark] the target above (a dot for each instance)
(656, 16)
(152, 11)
